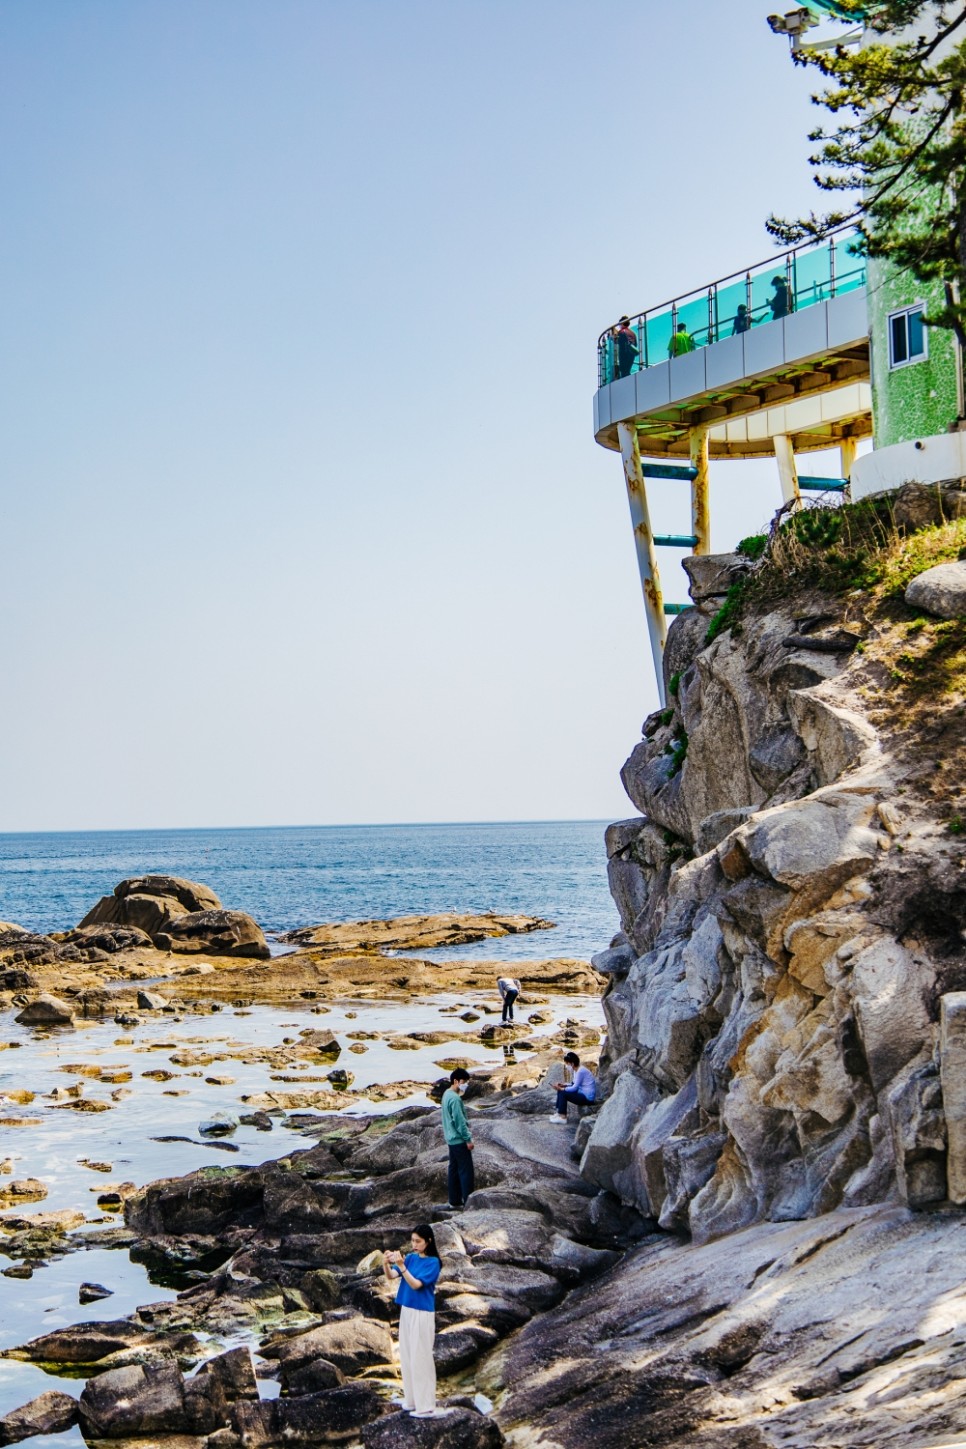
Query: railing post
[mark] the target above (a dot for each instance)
(790, 280)
(831, 267)
(751, 315)
(644, 544)
(643, 325)
(712, 330)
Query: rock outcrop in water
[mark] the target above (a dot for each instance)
(179, 915)
(785, 1018)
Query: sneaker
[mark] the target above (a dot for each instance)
(562, 1120)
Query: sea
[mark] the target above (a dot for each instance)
(304, 875)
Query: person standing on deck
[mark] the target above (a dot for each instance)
(509, 989)
(416, 1296)
(625, 339)
(461, 1178)
(681, 342)
(582, 1089)
(779, 303)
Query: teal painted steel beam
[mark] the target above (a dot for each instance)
(676, 608)
(676, 540)
(821, 485)
(669, 470)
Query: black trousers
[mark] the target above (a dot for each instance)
(565, 1096)
(508, 1001)
(461, 1179)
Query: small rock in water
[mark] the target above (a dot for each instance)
(95, 1166)
(28, 1187)
(6, 1166)
(51, 1413)
(151, 1001)
(469, 1016)
(220, 1081)
(93, 1292)
(222, 1124)
(260, 1120)
(358, 1048)
(338, 1077)
(18, 1270)
(125, 1018)
(46, 1011)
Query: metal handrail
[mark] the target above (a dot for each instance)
(785, 263)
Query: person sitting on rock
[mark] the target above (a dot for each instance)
(459, 1139)
(582, 1088)
(416, 1296)
(509, 989)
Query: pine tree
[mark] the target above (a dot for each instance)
(898, 143)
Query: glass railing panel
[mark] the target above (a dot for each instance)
(763, 292)
(771, 290)
(658, 336)
(692, 315)
(728, 299)
(849, 268)
(811, 277)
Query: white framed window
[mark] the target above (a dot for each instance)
(907, 336)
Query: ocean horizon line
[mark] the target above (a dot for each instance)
(336, 825)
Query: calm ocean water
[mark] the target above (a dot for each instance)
(303, 875)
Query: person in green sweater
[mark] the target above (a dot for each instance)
(459, 1140)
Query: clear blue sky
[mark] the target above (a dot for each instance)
(304, 521)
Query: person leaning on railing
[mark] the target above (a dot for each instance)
(625, 339)
(681, 342)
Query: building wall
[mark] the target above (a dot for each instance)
(919, 399)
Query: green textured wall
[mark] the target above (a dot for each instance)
(920, 399)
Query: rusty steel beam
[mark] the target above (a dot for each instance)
(700, 495)
(787, 473)
(644, 544)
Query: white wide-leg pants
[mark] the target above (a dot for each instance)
(417, 1332)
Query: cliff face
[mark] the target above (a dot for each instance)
(782, 1007)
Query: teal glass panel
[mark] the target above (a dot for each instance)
(658, 337)
(693, 313)
(730, 297)
(849, 268)
(762, 291)
(811, 277)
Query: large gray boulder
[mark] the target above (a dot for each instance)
(179, 915)
(940, 590)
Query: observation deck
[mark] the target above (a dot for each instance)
(774, 377)
(771, 361)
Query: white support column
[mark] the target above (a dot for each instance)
(644, 543)
(787, 471)
(700, 494)
(847, 454)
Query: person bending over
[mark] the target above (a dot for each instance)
(416, 1296)
(509, 989)
(582, 1089)
(459, 1140)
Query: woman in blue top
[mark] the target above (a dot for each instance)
(416, 1296)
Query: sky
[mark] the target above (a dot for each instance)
(303, 517)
